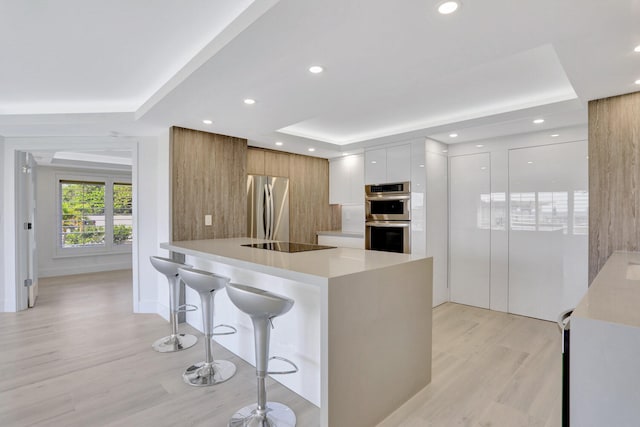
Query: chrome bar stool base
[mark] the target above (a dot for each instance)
(204, 374)
(210, 371)
(276, 415)
(172, 343)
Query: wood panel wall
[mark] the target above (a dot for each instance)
(255, 161)
(276, 163)
(614, 178)
(267, 162)
(309, 209)
(209, 173)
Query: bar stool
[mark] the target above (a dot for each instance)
(262, 306)
(209, 372)
(175, 341)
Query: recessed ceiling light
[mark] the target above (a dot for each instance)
(637, 82)
(278, 143)
(207, 121)
(448, 7)
(555, 135)
(249, 101)
(529, 162)
(316, 69)
(479, 145)
(483, 168)
(421, 166)
(345, 154)
(453, 135)
(637, 49)
(312, 149)
(373, 162)
(538, 121)
(445, 151)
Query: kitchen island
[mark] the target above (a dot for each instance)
(360, 329)
(605, 347)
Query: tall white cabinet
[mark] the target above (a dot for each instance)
(469, 235)
(548, 232)
(423, 164)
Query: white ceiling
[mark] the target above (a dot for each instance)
(393, 70)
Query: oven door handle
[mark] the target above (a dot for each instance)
(383, 198)
(389, 224)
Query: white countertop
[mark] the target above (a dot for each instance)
(311, 267)
(341, 233)
(612, 297)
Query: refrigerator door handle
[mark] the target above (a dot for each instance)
(271, 213)
(265, 209)
(268, 212)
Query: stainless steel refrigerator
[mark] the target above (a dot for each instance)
(268, 207)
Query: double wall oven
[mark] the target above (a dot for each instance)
(388, 217)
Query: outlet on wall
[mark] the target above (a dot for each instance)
(208, 220)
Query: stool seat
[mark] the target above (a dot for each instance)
(166, 266)
(257, 302)
(208, 372)
(174, 341)
(202, 281)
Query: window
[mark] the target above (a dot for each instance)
(83, 221)
(95, 214)
(122, 214)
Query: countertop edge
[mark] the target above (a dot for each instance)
(260, 268)
(612, 288)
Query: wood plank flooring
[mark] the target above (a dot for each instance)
(81, 358)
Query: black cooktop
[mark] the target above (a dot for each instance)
(288, 246)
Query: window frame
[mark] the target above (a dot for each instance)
(109, 179)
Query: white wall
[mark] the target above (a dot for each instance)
(49, 263)
(153, 178)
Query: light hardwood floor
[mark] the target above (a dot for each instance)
(81, 358)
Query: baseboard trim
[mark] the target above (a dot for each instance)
(82, 268)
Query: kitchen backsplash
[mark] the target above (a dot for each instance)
(353, 218)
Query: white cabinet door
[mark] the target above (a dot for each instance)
(469, 222)
(548, 229)
(356, 194)
(346, 180)
(338, 176)
(375, 169)
(399, 163)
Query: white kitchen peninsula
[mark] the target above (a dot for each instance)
(360, 329)
(605, 347)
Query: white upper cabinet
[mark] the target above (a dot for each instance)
(346, 180)
(375, 166)
(399, 163)
(391, 164)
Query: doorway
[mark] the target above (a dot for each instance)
(22, 211)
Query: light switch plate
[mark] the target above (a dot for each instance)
(208, 220)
